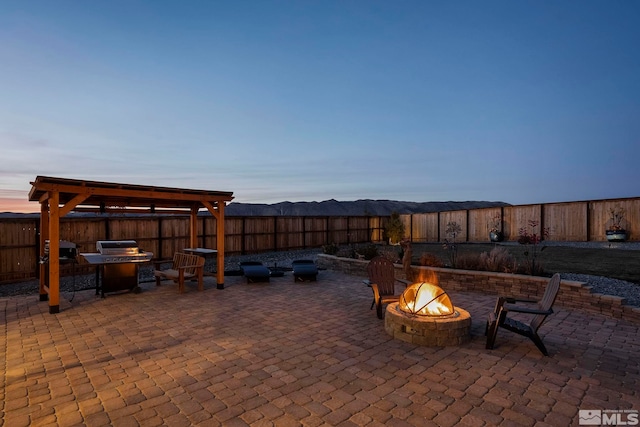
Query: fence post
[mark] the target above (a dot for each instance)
(541, 221)
(304, 232)
(275, 233)
(159, 237)
(467, 222)
(411, 227)
(37, 257)
(588, 220)
(243, 250)
(107, 229)
(326, 222)
(204, 233)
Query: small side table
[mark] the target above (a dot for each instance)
(205, 253)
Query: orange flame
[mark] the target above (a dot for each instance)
(425, 299)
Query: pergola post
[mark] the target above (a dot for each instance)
(44, 235)
(54, 252)
(193, 226)
(220, 246)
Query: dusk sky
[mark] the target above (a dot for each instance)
(514, 101)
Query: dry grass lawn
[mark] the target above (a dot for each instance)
(614, 263)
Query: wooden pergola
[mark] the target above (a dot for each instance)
(59, 196)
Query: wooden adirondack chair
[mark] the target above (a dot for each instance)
(184, 267)
(383, 283)
(539, 310)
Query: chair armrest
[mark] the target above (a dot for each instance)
(376, 292)
(158, 264)
(184, 267)
(404, 282)
(367, 282)
(528, 310)
(512, 300)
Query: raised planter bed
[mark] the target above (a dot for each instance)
(574, 295)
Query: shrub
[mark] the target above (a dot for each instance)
(347, 252)
(391, 255)
(427, 259)
(498, 260)
(331, 249)
(367, 251)
(468, 262)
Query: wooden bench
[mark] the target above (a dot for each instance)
(184, 267)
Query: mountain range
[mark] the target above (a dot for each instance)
(326, 208)
(351, 208)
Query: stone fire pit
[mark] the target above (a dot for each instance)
(425, 316)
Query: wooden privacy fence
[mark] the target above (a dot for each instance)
(164, 235)
(584, 221)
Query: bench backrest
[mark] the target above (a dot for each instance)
(181, 260)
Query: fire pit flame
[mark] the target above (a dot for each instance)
(426, 299)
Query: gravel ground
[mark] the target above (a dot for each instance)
(602, 285)
(606, 286)
(69, 284)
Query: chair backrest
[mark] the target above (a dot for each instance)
(181, 259)
(549, 297)
(382, 272)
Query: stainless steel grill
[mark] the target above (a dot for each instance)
(117, 252)
(117, 262)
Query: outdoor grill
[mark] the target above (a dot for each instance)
(117, 263)
(67, 253)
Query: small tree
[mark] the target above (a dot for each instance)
(452, 230)
(394, 229)
(531, 241)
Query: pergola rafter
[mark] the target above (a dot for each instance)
(60, 196)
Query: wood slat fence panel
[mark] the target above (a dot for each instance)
(316, 230)
(517, 218)
(18, 239)
(460, 218)
(480, 221)
(566, 222)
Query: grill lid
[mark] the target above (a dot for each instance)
(117, 247)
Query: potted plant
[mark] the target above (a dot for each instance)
(495, 228)
(615, 230)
